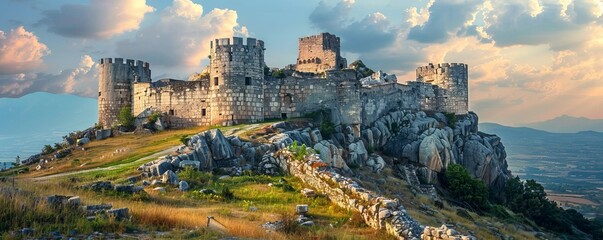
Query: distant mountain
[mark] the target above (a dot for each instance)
(568, 124)
(31, 121)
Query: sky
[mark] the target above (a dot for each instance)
(529, 60)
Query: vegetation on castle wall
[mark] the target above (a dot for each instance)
(299, 152)
(125, 117)
(279, 74)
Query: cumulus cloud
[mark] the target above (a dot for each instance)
(181, 36)
(20, 51)
(368, 34)
(99, 19)
(82, 81)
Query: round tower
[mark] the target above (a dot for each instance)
(236, 81)
(115, 78)
(451, 86)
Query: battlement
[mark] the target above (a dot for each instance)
(236, 41)
(431, 66)
(128, 62)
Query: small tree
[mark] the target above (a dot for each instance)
(47, 149)
(17, 161)
(466, 188)
(125, 117)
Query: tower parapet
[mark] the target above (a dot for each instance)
(237, 80)
(319, 53)
(115, 86)
(451, 85)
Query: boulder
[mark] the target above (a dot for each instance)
(74, 201)
(220, 146)
(170, 177)
(330, 154)
(161, 167)
(301, 209)
(188, 163)
(308, 192)
(82, 141)
(357, 153)
(119, 213)
(183, 186)
(159, 189)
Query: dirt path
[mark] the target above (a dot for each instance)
(148, 158)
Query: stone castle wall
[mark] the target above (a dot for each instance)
(185, 103)
(237, 90)
(236, 81)
(451, 81)
(319, 53)
(115, 86)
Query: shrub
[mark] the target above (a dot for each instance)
(226, 194)
(279, 74)
(184, 139)
(327, 128)
(465, 188)
(47, 149)
(153, 118)
(125, 117)
(451, 118)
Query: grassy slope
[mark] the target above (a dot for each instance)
(174, 210)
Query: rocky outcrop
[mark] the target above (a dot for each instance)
(431, 144)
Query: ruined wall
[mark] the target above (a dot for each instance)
(184, 103)
(319, 53)
(294, 97)
(115, 86)
(451, 79)
(236, 81)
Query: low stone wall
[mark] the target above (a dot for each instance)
(377, 211)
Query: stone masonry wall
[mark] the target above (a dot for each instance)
(236, 81)
(451, 81)
(377, 211)
(319, 53)
(184, 102)
(114, 86)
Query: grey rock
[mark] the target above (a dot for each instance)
(170, 177)
(119, 213)
(183, 186)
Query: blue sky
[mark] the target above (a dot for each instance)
(529, 60)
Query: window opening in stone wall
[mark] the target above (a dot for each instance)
(230, 56)
(99, 93)
(284, 115)
(247, 81)
(203, 112)
(215, 81)
(171, 112)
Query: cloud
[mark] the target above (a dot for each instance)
(99, 19)
(561, 26)
(82, 81)
(181, 36)
(368, 34)
(446, 19)
(20, 51)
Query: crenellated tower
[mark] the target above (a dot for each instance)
(319, 53)
(115, 86)
(451, 86)
(236, 81)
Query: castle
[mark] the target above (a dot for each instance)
(239, 88)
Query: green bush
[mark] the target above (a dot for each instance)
(279, 74)
(184, 139)
(465, 188)
(226, 194)
(299, 152)
(125, 117)
(451, 118)
(153, 118)
(327, 128)
(47, 149)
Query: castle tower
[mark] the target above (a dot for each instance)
(115, 78)
(236, 81)
(319, 53)
(451, 86)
